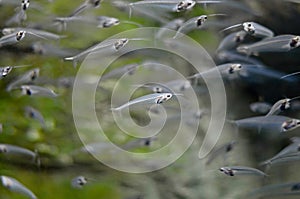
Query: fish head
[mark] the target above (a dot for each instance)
(234, 68)
(34, 74)
(164, 97)
(26, 90)
(227, 171)
(290, 125)
(96, 3)
(239, 37)
(249, 27)
(25, 4)
(6, 182)
(5, 70)
(3, 149)
(200, 20)
(184, 5)
(120, 43)
(295, 42)
(111, 22)
(20, 35)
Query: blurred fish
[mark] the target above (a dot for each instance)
(5, 70)
(8, 149)
(225, 70)
(272, 124)
(260, 107)
(232, 40)
(221, 151)
(35, 114)
(193, 23)
(119, 72)
(171, 25)
(108, 45)
(281, 105)
(281, 43)
(290, 149)
(36, 32)
(78, 182)
(50, 50)
(254, 29)
(12, 38)
(174, 86)
(232, 56)
(156, 98)
(241, 170)
(32, 90)
(15, 186)
(106, 22)
(140, 142)
(28, 77)
(171, 6)
(88, 4)
(20, 14)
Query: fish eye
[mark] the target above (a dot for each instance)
(28, 92)
(168, 96)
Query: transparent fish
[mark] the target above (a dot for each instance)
(35, 114)
(141, 142)
(8, 149)
(113, 45)
(50, 50)
(36, 32)
(290, 149)
(12, 38)
(15, 186)
(28, 77)
(172, 25)
(254, 29)
(5, 70)
(32, 90)
(232, 41)
(225, 70)
(171, 6)
(232, 56)
(241, 170)
(119, 72)
(174, 86)
(193, 23)
(79, 182)
(280, 105)
(19, 17)
(271, 124)
(156, 98)
(88, 4)
(260, 107)
(281, 43)
(221, 151)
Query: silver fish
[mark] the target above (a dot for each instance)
(281, 105)
(232, 40)
(222, 150)
(32, 90)
(141, 142)
(193, 23)
(36, 32)
(8, 149)
(88, 4)
(5, 70)
(113, 45)
(271, 124)
(15, 186)
(35, 114)
(172, 25)
(156, 98)
(118, 72)
(281, 43)
(12, 38)
(290, 149)
(28, 77)
(254, 29)
(241, 170)
(78, 182)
